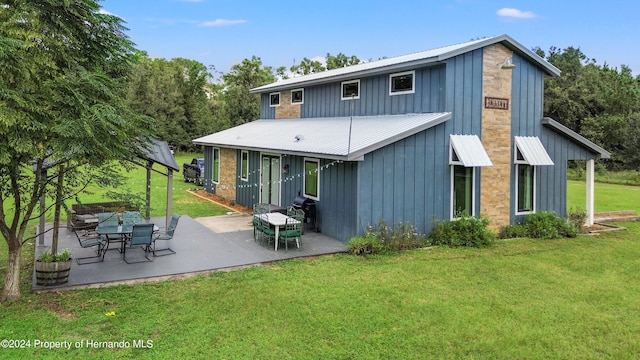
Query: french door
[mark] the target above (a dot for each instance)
(270, 180)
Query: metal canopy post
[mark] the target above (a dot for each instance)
(147, 214)
(169, 196)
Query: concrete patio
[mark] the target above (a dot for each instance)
(202, 245)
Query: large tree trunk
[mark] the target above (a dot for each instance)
(11, 291)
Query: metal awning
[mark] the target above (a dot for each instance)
(469, 151)
(529, 150)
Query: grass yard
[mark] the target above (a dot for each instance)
(519, 299)
(183, 202)
(608, 197)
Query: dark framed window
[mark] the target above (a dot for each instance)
(312, 178)
(244, 166)
(351, 89)
(297, 96)
(216, 165)
(274, 99)
(402, 83)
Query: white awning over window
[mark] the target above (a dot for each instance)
(529, 150)
(469, 151)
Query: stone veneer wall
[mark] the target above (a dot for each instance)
(227, 184)
(495, 183)
(286, 110)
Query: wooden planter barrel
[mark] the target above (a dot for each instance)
(52, 273)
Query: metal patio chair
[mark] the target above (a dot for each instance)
(100, 242)
(167, 235)
(142, 236)
(292, 231)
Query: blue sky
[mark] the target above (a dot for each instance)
(223, 32)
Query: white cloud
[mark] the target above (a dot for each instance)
(221, 22)
(105, 12)
(515, 13)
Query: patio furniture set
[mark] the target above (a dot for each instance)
(274, 225)
(129, 230)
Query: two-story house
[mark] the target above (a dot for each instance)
(433, 135)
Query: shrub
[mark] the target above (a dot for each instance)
(547, 225)
(465, 231)
(382, 238)
(577, 218)
(365, 245)
(512, 231)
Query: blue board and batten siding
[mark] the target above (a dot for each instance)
(325, 100)
(527, 113)
(410, 180)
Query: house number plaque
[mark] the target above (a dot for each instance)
(496, 103)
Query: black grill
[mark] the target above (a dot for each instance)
(309, 207)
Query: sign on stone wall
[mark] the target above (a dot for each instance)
(496, 103)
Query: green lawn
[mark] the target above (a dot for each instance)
(519, 299)
(608, 197)
(183, 202)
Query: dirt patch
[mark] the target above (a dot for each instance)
(229, 204)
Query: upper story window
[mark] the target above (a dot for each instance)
(351, 89)
(297, 96)
(274, 99)
(402, 83)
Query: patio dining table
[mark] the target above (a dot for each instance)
(278, 220)
(123, 230)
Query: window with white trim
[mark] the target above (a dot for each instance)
(350, 89)
(244, 165)
(274, 99)
(402, 83)
(312, 178)
(216, 166)
(525, 189)
(462, 187)
(297, 96)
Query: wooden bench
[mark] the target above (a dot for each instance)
(85, 216)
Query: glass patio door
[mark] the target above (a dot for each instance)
(270, 180)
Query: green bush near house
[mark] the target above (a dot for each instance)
(544, 225)
(465, 231)
(381, 238)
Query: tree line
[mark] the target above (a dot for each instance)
(598, 101)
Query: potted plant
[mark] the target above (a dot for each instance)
(53, 269)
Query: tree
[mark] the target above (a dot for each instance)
(240, 106)
(307, 66)
(341, 60)
(61, 102)
(594, 100)
(174, 93)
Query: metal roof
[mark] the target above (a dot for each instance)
(574, 136)
(405, 62)
(159, 152)
(340, 138)
(532, 150)
(470, 151)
